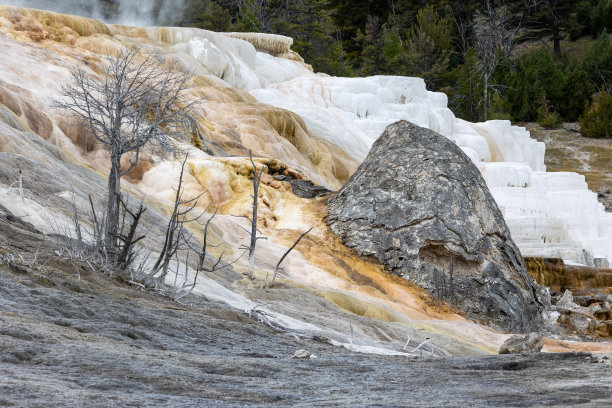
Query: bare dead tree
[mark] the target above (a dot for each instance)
(178, 240)
(463, 25)
(253, 232)
(202, 252)
(85, 250)
(129, 238)
(76, 221)
(495, 30)
(97, 223)
(187, 285)
(278, 267)
(133, 104)
(19, 183)
(176, 236)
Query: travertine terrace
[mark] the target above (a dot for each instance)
(298, 124)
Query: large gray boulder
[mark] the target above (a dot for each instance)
(419, 205)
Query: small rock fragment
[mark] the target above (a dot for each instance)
(567, 301)
(531, 343)
(301, 354)
(320, 338)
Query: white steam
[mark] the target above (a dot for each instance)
(129, 12)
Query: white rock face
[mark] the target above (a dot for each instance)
(233, 60)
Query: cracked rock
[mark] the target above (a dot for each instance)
(419, 205)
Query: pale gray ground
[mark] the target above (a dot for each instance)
(89, 341)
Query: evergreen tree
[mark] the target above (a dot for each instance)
(537, 81)
(373, 48)
(600, 17)
(204, 14)
(394, 52)
(598, 63)
(548, 18)
(597, 118)
(429, 46)
(312, 30)
(465, 98)
(577, 92)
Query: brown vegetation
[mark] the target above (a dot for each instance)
(566, 150)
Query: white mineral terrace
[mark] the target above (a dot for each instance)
(549, 214)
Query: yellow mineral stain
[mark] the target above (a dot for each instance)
(366, 276)
(42, 25)
(555, 274)
(360, 307)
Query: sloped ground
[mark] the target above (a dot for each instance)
(69, 337)
(567, 150)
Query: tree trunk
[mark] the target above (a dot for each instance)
(253, 227)
(340, 53)
(473, 98)
(112, 206)
(485, 101)
(556, 37)
(256, 181)
(251, 263)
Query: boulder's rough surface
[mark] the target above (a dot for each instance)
(531, 343)
(419, 205)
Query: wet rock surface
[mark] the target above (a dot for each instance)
(70, 337)
(419, 205)
(559, 276)
(302, 187)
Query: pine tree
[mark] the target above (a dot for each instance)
(598, 63)
(429, 46)
(466, 97)
(312, 30)
(548, 18)
(204, 14)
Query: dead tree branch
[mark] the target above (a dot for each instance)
(254, 237)
(276, 269)
(175, 232)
